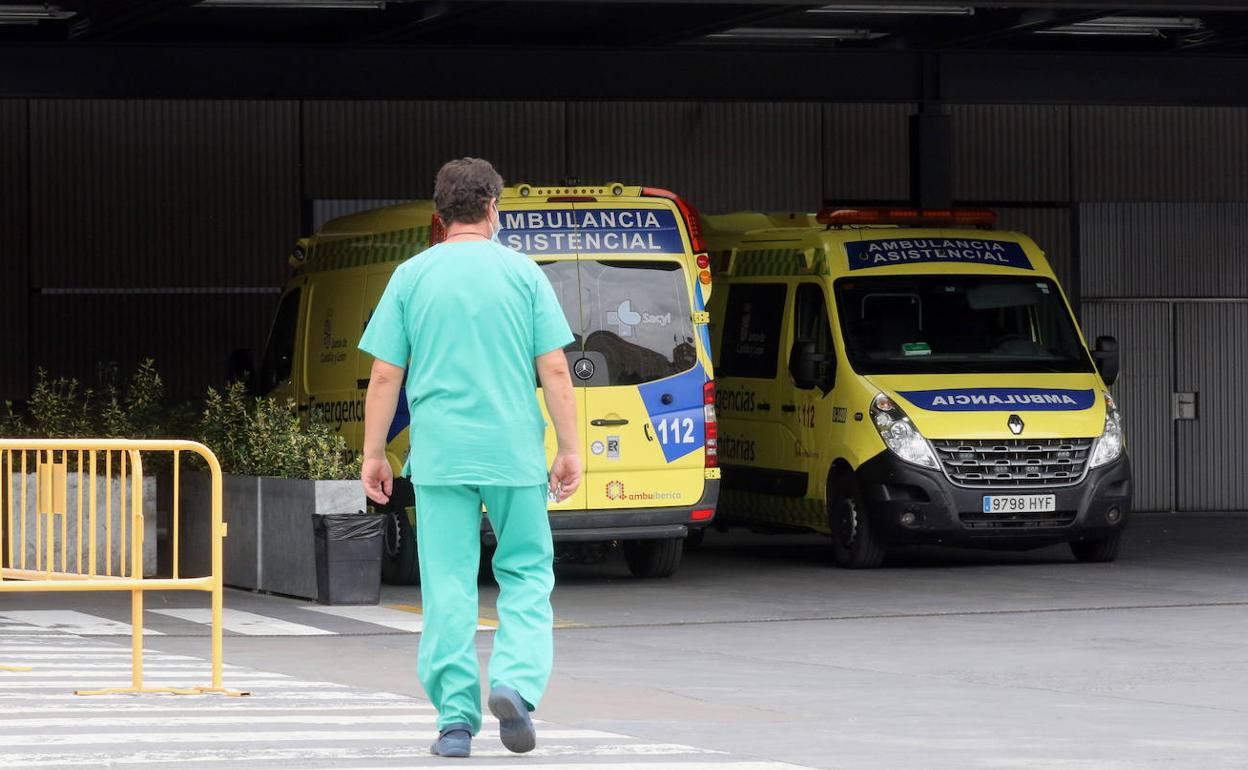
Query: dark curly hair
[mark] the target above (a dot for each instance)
(464, 189)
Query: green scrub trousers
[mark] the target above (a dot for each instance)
(448, 538)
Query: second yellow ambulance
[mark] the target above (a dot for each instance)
(629, 268)
(907, 377)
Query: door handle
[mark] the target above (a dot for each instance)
(762, 406)
(788, 408)
(600, 423)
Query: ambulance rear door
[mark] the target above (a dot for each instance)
(643, 380)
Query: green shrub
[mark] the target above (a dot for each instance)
(261, 437)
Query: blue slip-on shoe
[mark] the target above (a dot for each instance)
(454, 741)
(515, 725)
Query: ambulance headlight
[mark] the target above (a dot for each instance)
(899, 434)
(1109, 446)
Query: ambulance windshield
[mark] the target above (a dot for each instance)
(957, 324)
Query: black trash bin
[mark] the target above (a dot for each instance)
(348, 557)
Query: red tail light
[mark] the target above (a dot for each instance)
(437, 230)
(705, 514)
(712, 424)
(693, 222)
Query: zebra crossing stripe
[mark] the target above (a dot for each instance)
(246, 623)
(74, 622)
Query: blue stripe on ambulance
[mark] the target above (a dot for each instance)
(402, 417)
(699, 304)
(1000, 399)
(679, 426)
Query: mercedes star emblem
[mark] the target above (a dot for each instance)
(584, 368)
(1016, 424)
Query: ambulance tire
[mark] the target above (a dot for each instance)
(399, 564)
(654, 558)
(1097, 551)
(854, 543)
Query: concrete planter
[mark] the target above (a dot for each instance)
(270, 545)
(27, 526)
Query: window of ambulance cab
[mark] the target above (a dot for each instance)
(750, 343)
(811, 327)
(279, 353)
(958, 324)
(637, 317)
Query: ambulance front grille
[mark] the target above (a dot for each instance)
(990, 463)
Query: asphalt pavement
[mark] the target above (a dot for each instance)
(757, 655)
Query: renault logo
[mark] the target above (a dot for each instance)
(1016, 424)
(584, 368)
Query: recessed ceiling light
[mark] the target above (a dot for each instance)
(899, 9)
(32, 14)
(312, 5)
(1128, 26)
(796, 33)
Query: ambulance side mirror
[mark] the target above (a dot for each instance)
(242, 368)
(805, 368)
(1106, 357)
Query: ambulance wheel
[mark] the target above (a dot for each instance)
(653, 558)
(399, 565)
(854, 544)
(1098, 551)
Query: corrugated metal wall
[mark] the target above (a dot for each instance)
(1011, 152)
(163, 193)
(393, 149)
(1143, 391)
(1161, 264)
(866, 152)
(1164, 249)
(722, 156)
(14, 250)
(1210, 342)
(1160, 153)
(1049, 228)
(148, 196)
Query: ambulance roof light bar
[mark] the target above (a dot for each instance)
(907, 217)
(693, 222)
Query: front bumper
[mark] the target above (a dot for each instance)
(953, 515)
(624, 524)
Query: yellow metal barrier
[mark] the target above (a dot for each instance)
(52, 540)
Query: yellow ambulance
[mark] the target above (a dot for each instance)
(903, 377)
(630, 270)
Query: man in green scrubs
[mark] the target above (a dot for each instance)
(474, 325)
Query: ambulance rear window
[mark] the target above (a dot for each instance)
(636, 320)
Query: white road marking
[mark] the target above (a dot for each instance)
(73, 622)
(379, 616)
(254, 736)
(253, 720)
(247, 623)
(418, 749)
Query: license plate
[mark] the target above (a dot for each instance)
(1020, 503)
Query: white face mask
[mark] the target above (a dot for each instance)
(496, 224)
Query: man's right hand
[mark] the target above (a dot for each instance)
(565, 475)
(378, 479)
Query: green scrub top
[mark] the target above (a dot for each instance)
(466, 320)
